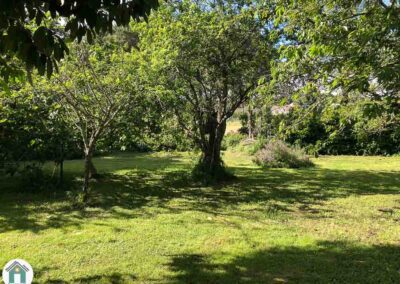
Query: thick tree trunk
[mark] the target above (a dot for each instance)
(211, 156)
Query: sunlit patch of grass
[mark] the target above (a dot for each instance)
(147, 221)
(233, 126)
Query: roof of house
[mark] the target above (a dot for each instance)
(16, 263)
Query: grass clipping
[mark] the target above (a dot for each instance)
(277, 154)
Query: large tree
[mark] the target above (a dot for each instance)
(207, 58)
(95, 84)
(28, 32)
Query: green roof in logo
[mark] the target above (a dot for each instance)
(17, 271)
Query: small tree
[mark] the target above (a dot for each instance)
(95, 83)
(207, 60)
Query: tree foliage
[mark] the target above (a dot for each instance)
(342, 124)
(95, 84)
(35, 31)
(339, 66)
(206, 60)
(33, 130)
(343, 44)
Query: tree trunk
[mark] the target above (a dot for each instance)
(250, 122)
(87, 174)
(61, 173)
(211, 156)
(61, 170)
(92, 169)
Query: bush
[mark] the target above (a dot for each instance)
(277, 154)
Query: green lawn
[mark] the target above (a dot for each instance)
(148, 223)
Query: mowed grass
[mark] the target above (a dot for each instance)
(148, 222)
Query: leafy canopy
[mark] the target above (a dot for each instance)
(35, 31)
(343, 44)
(205, 60)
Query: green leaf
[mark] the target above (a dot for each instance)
(40, 38)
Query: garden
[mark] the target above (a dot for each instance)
(184, 141)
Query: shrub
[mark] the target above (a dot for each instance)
(277, 154)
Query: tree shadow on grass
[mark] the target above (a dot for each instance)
(304, 187)
(317, 184)
(142, 192)
(39, 210)
(328, 262)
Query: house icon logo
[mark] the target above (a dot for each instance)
(17, 271)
